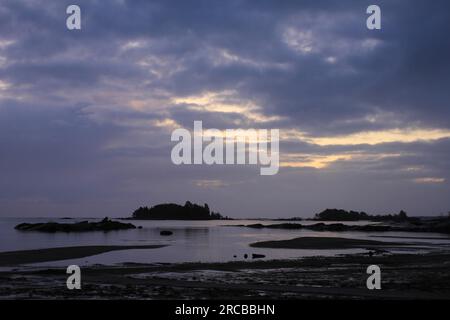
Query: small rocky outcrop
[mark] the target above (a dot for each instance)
(83, 226)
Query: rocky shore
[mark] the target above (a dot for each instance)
(432, 226)
(404, 276)
(83, 226)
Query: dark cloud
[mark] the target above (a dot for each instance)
(84, 115)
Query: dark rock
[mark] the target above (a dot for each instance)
(326, 227)
(290, 226)
(83, 226)
(257, 256)
(373, 228)
(166, 233)
(256, 226)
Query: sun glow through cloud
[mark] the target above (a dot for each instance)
(225, 102)
(374, 137)
(430, 180)
(298, 160)
(210, 184)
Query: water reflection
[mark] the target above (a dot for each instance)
(191, 241)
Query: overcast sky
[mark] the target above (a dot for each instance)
(86, 116)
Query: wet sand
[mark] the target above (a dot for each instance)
(404, 276)
(323, 243)
(63, 253)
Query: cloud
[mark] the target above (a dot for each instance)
(405, 135)
(429, 180)
(227, 102)
(86, 116)
(209, 183)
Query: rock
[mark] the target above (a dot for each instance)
(245, 256)
(255, 225)
(335, 227)
(83, 226)
(257, 256)
(376, 251)
(166, 233)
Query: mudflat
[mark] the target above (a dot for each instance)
(63, 253)
(318, 243)
(404, 276)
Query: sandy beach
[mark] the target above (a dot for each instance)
(322, 243)
(63, 253)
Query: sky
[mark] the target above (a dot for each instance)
(86, 115)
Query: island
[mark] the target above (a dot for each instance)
(172, 211)
(343, 215)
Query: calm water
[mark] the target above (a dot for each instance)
(192, 241)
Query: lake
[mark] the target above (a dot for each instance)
(192, 241)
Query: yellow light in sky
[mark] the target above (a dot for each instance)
(4, 85)
(429, 180)
(166, 123)
(210, 183)
(407, 135)
(315, 161)
(227, 101)
(323, 161)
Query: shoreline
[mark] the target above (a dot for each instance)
(20, 257)
(414, 275)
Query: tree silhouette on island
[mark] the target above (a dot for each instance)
(343, 215)
(172, 211)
